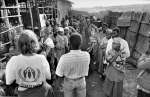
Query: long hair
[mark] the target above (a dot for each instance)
(28, 42)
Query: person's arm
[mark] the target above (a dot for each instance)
(60, 67)
(88, 62)
(46, 68)
(10, 71)
(126, 51)
(60, 71)
(109, 46)
(111, 57)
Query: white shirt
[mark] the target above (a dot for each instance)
(49, 42)
(74, 64)
(124, 46)
(27, 70)
(42, 20)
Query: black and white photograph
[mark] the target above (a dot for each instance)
(74, 48)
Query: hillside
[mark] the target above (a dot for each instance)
(140, 7)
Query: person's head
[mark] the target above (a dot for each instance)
(115, 32)
(88, 21)
(66, 30)
(66, 24)
(108, 33)
(99, 23)
(46, 31)
(116, 45)
(104, 26)
(75, 41)
(28, 42)
(60, 31)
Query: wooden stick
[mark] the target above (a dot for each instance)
(11, 29)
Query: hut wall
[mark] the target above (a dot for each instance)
(137, 33)
(111, 18)
(63, 9)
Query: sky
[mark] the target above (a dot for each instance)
(104, 3)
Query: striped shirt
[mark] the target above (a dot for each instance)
(74, 64)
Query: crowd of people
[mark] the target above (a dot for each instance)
(69, 52)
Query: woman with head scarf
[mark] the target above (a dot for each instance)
(117, 51)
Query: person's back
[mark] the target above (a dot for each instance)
(29, 70)
(74, 66)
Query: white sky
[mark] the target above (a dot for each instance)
(98, 3)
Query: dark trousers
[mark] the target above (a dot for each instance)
(143, 94)
(43, 91)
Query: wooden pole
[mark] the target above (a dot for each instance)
(38, 14)
(139, 26)
(18, 9)
(31, 17)
(5, 14)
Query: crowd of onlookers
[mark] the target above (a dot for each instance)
(69, 52)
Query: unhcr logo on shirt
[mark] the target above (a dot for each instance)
(29, 74)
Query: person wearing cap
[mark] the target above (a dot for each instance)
(67, 32)
(61, 43)
(116, 53)
(73, 67)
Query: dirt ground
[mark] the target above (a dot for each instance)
(94, 85)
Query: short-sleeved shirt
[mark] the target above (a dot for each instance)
(49, 42)
(74, 64)
(27, 70)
